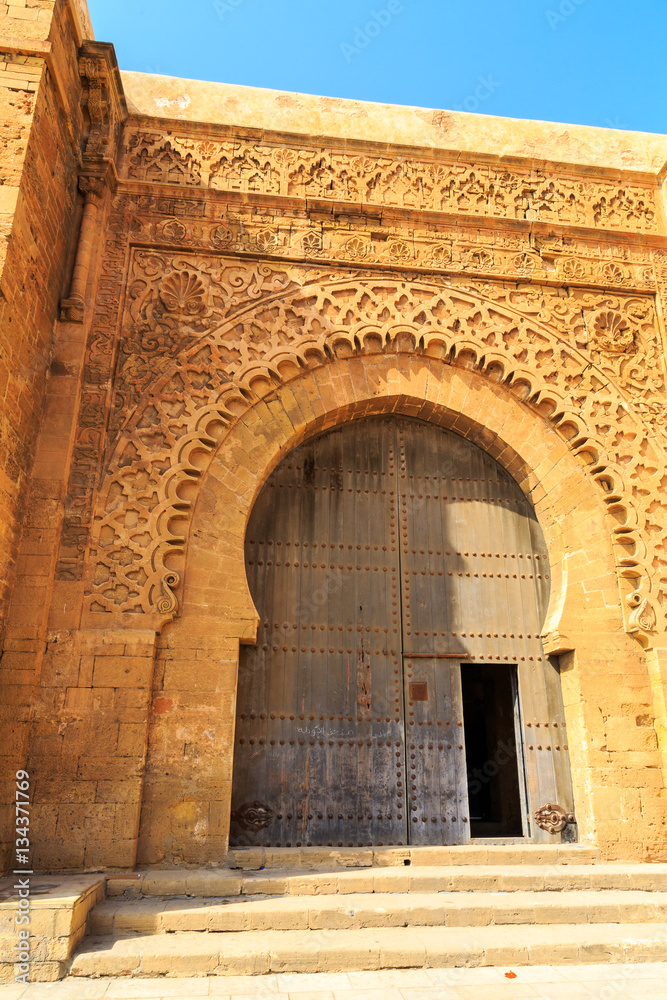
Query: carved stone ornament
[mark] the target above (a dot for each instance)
(556, 643)
(104, 103)
(201, 334)
(643, 618)
(442, 184)
(613, 334)
(253, 816)
(183, 293)
(553, 818)
(92, 186)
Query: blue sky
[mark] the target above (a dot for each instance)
(592, 62)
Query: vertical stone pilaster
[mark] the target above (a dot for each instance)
(88, 749)
(185, 817)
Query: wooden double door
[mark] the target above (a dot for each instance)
(398, 692)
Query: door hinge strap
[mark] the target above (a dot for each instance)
(436, 656)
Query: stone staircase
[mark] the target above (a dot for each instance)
(303, 911)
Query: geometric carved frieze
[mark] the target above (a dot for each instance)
(116, 374)
(439, 183)
(202, 337)
(450, 249)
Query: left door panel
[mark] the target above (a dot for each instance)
(319, 749)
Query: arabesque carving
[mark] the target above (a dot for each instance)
(173, 302)
(439, 184)
(604, 393)
(104, 102)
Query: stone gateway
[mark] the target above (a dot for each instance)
(333, 470)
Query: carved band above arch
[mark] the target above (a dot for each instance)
(585, 362)
(437, 183)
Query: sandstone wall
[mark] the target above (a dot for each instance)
(237, 288)
(40, 107)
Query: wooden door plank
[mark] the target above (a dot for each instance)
(436, 756)
(330, 656)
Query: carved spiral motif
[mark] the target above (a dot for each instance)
(644, 616)
(168, 603)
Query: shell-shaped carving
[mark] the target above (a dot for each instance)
(399, 251)
(440, 255)
(614, 272)
(312, 244)
(613, 333)
(267, 241)
(571, 267)
(478, 258)
(174, 230)
(183, 292)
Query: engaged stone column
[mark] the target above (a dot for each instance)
(72, 309)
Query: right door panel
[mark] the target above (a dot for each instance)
(475, 588)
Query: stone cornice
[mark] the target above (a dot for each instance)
(395, 150)
(188, 102)
(367, 176)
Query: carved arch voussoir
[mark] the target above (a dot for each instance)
(137, 555)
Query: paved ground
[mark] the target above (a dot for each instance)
(571, 982)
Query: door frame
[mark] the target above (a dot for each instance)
(518, 534)
(567, 501)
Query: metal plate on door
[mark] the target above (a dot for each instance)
(419, 691)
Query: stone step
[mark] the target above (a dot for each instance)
(293, 859)
(260, 952)
(445, 909)
(218, 882)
